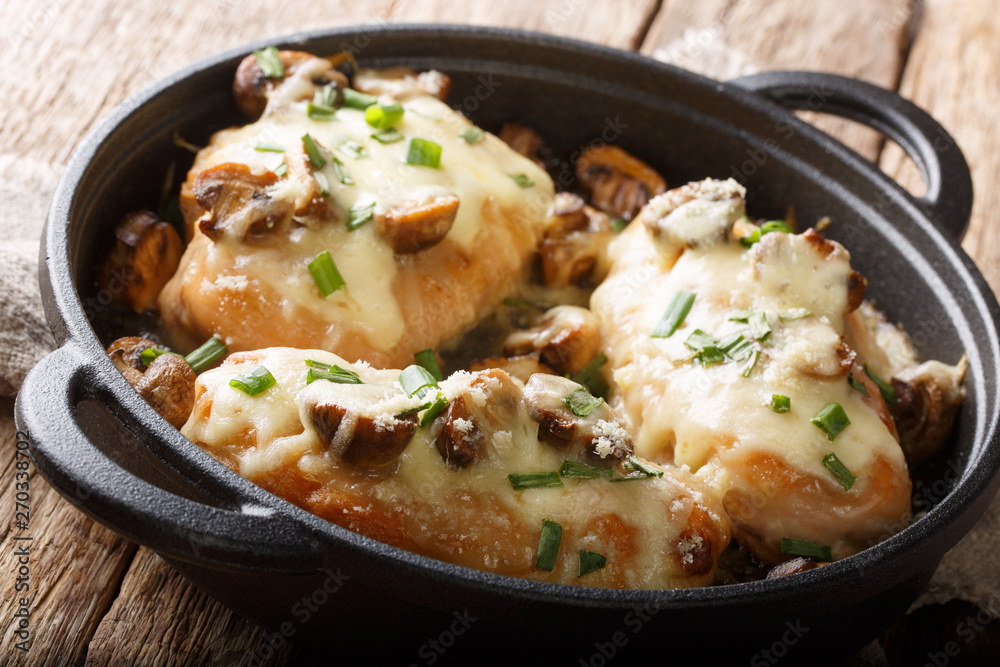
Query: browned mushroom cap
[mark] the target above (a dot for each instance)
(793, 566)
(599, 438)
(167, 385)
(696, 214)
(403, 83)
(125, 354)
(575, 240)
(360, 424)
(856, 283)
(523, 140)
(927, 401)
(522, 367)
(251, 87)
(619, 183)
(238, 204)
(416, 226)
(145, 255)
(490, 402)
(566, 338)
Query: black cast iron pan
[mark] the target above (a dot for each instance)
(311, 581)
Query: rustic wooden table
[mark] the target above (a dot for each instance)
(99, 599)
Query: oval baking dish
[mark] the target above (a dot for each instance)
(110, 454)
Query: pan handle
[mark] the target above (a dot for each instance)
(46, 410)
(948, 202)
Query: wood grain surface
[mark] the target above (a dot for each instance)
(96, 598)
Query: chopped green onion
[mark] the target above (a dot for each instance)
(759, 328)
(341, 172)
(256, 381)
(269, 148)
(584, 471)
(741, 315)
(312, 150)
(805, 549)
(581, 403)
(150, 354)
(428, 361)
(751, 363)
(320, 112)
(780, 403)
(794, 314)
(281, 170)
(638, 465)
(839, 471)
(590, 375)
(677, 310)
(270, 62)
(618, 224)
(320, 371)
(324, 185)
(699, 340)
(207, 354)
(709, 355)
(522, 180)
(389, 136)
(857, 384)
(832, 420)
(414, 378)
(353, 149)
(885, 388)
(423, 153)
(548, 545)
(590, 561)
(328, 95)
(325, 273)
(766, 228)
(472, 135)
(381, 116)
(359, 215)
(521, 481)
(519, 303)
(736, 347)
(434, 409)
(354, 99)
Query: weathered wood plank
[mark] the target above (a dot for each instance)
(73, 566)
(952, 73)
(721, 38)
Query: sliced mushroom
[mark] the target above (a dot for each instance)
(304, 75)
(403, 83)
(619, 184)
(145, 255)
(575, 241)
(599, 438)
(361, 425)
(167, 384)
(416, 226)
(489, 402)
(790, 567)
(882, 346)
(697, 214)
(566, 339)
(521, 367)
(310, 204)
(237, 204)
(523, 140)
(927, 400)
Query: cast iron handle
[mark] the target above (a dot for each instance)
(948, 202)
(139, 510)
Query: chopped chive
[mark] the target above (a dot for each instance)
(857, 384)
(839, 471)
(590, 561)
(583, 471)
(354, 99)
(207, 354)
(359, 215)
(618, 224)
(414, 378)
(521, 481)
(751, 363)
(328, 96)
(519, 303)
(759, 328)
(270, 62)
(699, 340)
(766, 228)
(325, 273)
(740, 315)
(312, 150)
(794, 314)
(780, 403)
(150, 354)
(522, 180)
(255, 381)
(320, 112)
(428, 361)
(281, 170)
(269, 148)
(320, 371)
(353, 149)
(324, 185)
(434, 409)
(736, 347)
(677, 310)
(548, 545)
(387, 136)
(709, 355)
(590, 376)
(341, 172)
(638, 465)
(885, 388)
(472, 135)
(423, 153)
(805, 549)
(832, 420)
(382, 116)
(581, 403)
